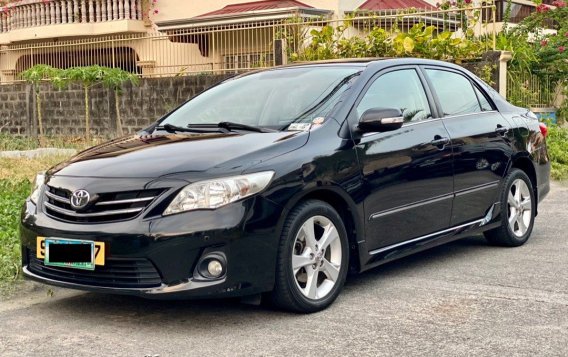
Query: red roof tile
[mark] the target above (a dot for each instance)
(256, 6)
(378, 5)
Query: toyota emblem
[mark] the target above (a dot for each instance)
(80, 199)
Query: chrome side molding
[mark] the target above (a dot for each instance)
(479, 222)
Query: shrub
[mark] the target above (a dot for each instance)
(420, 41)
(558, 151)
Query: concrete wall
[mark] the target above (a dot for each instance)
(16, 109)
(488, 69)
(64, 111)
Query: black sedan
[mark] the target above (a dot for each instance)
(279, 182)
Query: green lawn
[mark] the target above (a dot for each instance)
(16, 176)
(11, 142)
(12, 195)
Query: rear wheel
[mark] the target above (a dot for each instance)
(313, 258)
(517, 211)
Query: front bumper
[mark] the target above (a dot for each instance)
(157, 258)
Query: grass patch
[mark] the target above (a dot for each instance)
(11, 142)
(18, 169)
(12, 196)
(558, 151)
(16, 176)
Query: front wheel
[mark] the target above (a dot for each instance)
(517, 211)
(313, 258)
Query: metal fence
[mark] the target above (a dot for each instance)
(234, 47)
(528, 90)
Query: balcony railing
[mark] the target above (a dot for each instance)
(33, 13)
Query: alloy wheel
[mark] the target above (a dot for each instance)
(316, 257)
(520, 208)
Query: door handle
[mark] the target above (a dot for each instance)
(501, 129)
(440, 141)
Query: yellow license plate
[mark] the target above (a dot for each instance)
(99, 251)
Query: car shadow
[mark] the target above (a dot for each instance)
(132, 309)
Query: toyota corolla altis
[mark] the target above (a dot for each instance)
(279, 182)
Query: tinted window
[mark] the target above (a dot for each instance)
(485, 106)
(398, 89)
(454, 91)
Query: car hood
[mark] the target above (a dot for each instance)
(154, 156)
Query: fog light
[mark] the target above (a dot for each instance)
(215, 268)
(211, 266)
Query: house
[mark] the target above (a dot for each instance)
(162, 38)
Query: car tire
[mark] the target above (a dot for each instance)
(518, 208)
(311, 265)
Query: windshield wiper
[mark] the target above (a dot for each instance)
(238, 126)
(230, 126)
(170, 128)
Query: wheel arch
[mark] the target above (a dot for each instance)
(346, 208)
(525, 164)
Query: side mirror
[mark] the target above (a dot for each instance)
(380, 119)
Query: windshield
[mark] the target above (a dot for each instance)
(271, 99)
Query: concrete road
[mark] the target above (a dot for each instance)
(464, 298)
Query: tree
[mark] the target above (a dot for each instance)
(34, 76)
(550, 47)
(88, 77)
(114, 79)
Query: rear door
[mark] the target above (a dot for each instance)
(407, 173)
(480, 142)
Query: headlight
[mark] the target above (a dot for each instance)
(212, 194)
(39, 181)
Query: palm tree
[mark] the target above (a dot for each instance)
(87, 76)
(34, 76)
(114, 78)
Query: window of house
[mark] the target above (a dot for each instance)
(400, 89)
(455, 92)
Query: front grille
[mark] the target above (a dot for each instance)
(116, 273)
(107, 207)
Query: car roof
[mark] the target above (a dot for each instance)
(369, 61)
(370, 65)
(361, 61)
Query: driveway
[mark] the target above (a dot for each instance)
(464, 298)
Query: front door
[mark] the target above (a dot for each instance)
(407, 173)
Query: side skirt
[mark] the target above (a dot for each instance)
(386, 254)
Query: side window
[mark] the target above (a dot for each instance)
(485, 106)
(454, 91)
(398, 89)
